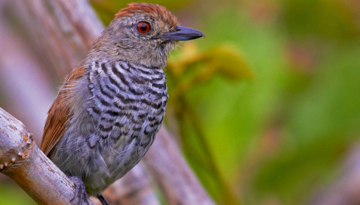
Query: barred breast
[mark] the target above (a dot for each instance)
(128, 101)
(122, 112)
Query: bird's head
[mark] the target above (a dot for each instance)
(143, 33)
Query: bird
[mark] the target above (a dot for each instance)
(110, 107)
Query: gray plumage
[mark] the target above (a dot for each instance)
(122, 107)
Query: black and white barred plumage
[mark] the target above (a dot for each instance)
(123, 108)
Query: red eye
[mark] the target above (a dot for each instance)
(143, 27)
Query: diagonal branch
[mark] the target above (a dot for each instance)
(22, 161)
(172, 174)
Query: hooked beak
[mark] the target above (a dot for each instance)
(182, 34)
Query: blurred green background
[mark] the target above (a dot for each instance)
(267, 106)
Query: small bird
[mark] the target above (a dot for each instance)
(110, 107)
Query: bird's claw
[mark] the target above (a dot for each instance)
(80, 191)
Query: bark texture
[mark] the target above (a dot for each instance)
(23, 162)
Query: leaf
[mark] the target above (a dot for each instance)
(225, 59)
(228, 62)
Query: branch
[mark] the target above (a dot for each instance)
(172, 174)
(134, 188)
(23, 162)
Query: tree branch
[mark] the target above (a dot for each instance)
(22, 161)
(172, 174)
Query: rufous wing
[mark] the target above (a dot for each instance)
(59, 112)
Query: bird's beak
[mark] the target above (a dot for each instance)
(182, 34)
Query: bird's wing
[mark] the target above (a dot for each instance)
(59, 112)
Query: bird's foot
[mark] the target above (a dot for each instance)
(80, 191)
(102, 199)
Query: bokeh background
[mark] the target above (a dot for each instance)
(266, 108)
